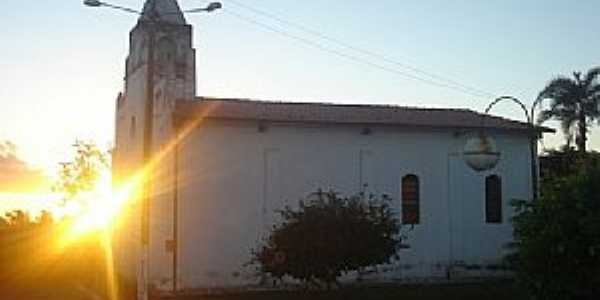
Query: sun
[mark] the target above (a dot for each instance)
(100, 211)
(90, 217)
(95, 211)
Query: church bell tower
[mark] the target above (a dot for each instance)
(160, 70)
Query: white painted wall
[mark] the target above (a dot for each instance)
(174, 80)
(232, 178)
(127, 159)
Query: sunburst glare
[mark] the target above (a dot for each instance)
(95, 211)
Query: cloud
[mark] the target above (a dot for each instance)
(16, 176)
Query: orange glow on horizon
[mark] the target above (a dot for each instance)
(93, 216)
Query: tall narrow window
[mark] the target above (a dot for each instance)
(493, 199)
(132, 128)
(410, 199)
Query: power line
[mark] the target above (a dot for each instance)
(360, 50)
(354, 58)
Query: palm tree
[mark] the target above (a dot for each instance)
(575, 103)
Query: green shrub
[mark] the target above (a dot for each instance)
(329, 235)
(557, 237)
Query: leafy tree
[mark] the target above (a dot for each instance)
(329, 235)
(81, 174)
(574, 102)
(557, 236)
(563, 161)
(45, 218)
(18, 218)
(23, 242)
(29, 254)
(3, 223)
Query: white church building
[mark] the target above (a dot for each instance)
(222, 167)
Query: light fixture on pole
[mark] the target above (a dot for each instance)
(209, 8)
(92, 3)
(95, 3)
(481, 153)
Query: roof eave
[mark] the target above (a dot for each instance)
(191, 110)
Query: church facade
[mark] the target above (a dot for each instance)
(218, 169)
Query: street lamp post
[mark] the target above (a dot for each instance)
(480, 152)
(95, 3)
(148, 123)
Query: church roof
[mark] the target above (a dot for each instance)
(243, 109)
(163, 10)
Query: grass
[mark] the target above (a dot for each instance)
(467, 291)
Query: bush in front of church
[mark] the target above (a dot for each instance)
(557, 236)
(329, 235)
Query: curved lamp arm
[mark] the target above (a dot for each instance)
(515, 100)
(530, 120)
(96, 3)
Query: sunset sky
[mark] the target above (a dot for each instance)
(62, 64)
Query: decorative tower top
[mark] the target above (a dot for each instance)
(163, 10)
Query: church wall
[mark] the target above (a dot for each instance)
(161, 205)
(128, 157)
(233, 177)
(228, 178)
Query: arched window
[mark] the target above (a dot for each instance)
(410, 199)
(493, 199)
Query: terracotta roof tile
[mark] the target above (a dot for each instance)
(242, 109)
